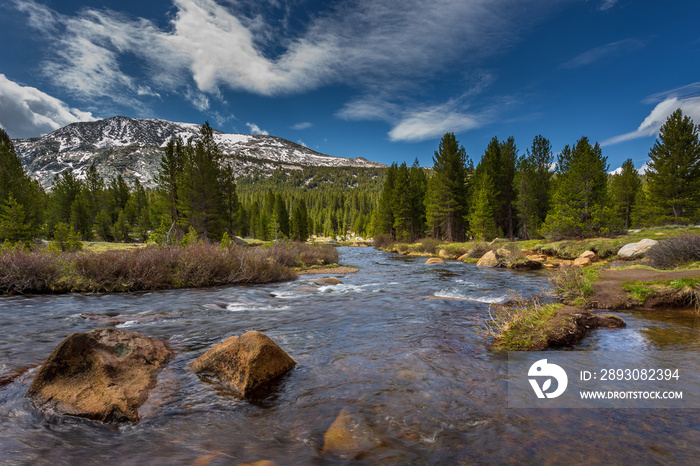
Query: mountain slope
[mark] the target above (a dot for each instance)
(133, 147)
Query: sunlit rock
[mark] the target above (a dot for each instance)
(244, 363)
(435, 260)
(490, 259)
(327, 281)
(348, 436)
(638, 250)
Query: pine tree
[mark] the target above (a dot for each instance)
(505, 182)
(418, 188)
(26, 194)
(482, 225)
(446, 200)
(674, 170)
(401, 206)
(623, 192)
(282, 217)
(581, 193)
(13, 221)
(385, 209)
(200, 199)
(169, 174)
(533, 183)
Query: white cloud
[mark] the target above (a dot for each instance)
(302, 125)
(28, 112)
(255, 129)
(605, 51)
(373, 45)
(658, 116)
(433, 122)
(301, 143)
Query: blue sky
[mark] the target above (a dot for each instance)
(381, 79)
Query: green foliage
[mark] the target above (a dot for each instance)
(533, 183)
(190, 238)
(447, 194)
(623, 192)
(19, 195)
(65, 238)
(674, 170)
(482, 225)
(579, 201)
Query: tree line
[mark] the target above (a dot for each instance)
(197, 195)
(511, 195)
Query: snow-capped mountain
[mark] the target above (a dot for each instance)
(641, 170)
(134, 147)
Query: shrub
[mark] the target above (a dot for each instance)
(672, 252)
(383, 241)
(569, 284)
(66, 239)
(478, 250)
(26, 272)
(520, 324)
(429, 245)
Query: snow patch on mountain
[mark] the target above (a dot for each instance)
(133, 148)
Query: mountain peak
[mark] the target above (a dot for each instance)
(132, 147)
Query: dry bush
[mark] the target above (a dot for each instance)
(569, 284)
(478, 250)
(256, 265)
(429, 245)
(383, 241)
(297, 254)
(28, 272)
(672, 252)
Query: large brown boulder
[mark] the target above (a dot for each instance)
(244, 363)
(104, 374)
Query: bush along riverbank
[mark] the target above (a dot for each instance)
(155, 268)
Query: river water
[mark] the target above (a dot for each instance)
(414, 368)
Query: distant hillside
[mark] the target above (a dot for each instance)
(133, 148)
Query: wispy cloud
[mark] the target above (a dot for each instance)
(687, 98)
(607, 4)
(302, 125)
(434, 121)
(28, 112)
(372, 45)
(255, 129)
(603, 52)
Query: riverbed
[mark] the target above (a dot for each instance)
(399, 345)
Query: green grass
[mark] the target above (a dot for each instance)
(640, 291)
(522, 325)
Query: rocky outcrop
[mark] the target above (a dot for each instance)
(327, 281)
(634, 251)
(244, 363)
(104, 374)
(435, 260)
(348, 436)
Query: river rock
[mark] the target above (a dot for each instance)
(586, 259)
(104, 374)
(463, 257)
(444, 254)
(327, 281)
(526, 265)
(348, 436)
(638, 250)
(435, 260)
(490, 259)
(244, 363)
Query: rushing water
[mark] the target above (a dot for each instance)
(385, 345)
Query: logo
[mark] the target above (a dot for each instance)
(543, 369)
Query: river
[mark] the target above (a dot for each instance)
(416, 369)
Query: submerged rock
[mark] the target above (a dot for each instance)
(638, 250)
(348, 436)
(244, 363)
(328, 281)
(104, 374)
(435, 260)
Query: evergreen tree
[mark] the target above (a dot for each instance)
(282, 217)
(13, 221)
(385, 210)
(533, 184)
(674, 170)
(66, 190)
(505, 182)
(580, 194)
(401, 207)
(19, 192)
(169, 174)
(301, 222)
(446, 200)
(482, 225)
(623, 192)
(418, 188)
(200, 198)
